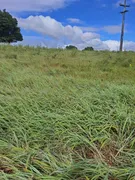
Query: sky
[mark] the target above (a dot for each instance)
(83, 23)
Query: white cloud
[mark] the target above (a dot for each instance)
(42, 25)
(60, 35)
(74, 21)
(40, 41)
(114, 45)
(114, 29)
(111, 45)
(110, 29)
(53, 43)
(96, 43)
(54, 29)
(89, 29)
(32, 5)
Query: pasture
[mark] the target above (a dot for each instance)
(66, 115)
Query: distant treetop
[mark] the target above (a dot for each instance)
(88, 49)
(70, 47)
(9, 30)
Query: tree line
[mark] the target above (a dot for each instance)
(71, 47)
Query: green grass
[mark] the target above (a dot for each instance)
(66, 115)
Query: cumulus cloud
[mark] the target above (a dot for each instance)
(60, 35)
(114, 45)
(114, 29)
(48, 26)
(40, 41)
(42, 25)
(53, 43)
(111, 45)
(33, 5)
(89, 29)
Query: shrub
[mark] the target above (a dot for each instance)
(89, 49)
(70, 47)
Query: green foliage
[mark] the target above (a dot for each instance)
(9, 30)
(70, 47)
(88, 49)
(66, 116)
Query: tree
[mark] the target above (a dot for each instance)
(70, 47)
(9, 30)
(89, 49)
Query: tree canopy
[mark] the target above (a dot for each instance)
(70, 47)
(9, 30)
(89, 49)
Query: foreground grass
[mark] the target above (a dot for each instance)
(66, 115)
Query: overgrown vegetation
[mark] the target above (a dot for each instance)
(66, 115)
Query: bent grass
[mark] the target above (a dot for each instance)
(66, 115)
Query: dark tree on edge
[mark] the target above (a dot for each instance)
(9, 30)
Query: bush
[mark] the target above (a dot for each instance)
(70, 47)
(88, 49)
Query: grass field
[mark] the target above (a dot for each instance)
(66, 115)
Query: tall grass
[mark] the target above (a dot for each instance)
(66, 115)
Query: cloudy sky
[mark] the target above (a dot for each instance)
(56, 23)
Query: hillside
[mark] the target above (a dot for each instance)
(66, 115)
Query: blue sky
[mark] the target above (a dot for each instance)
(82, 23)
